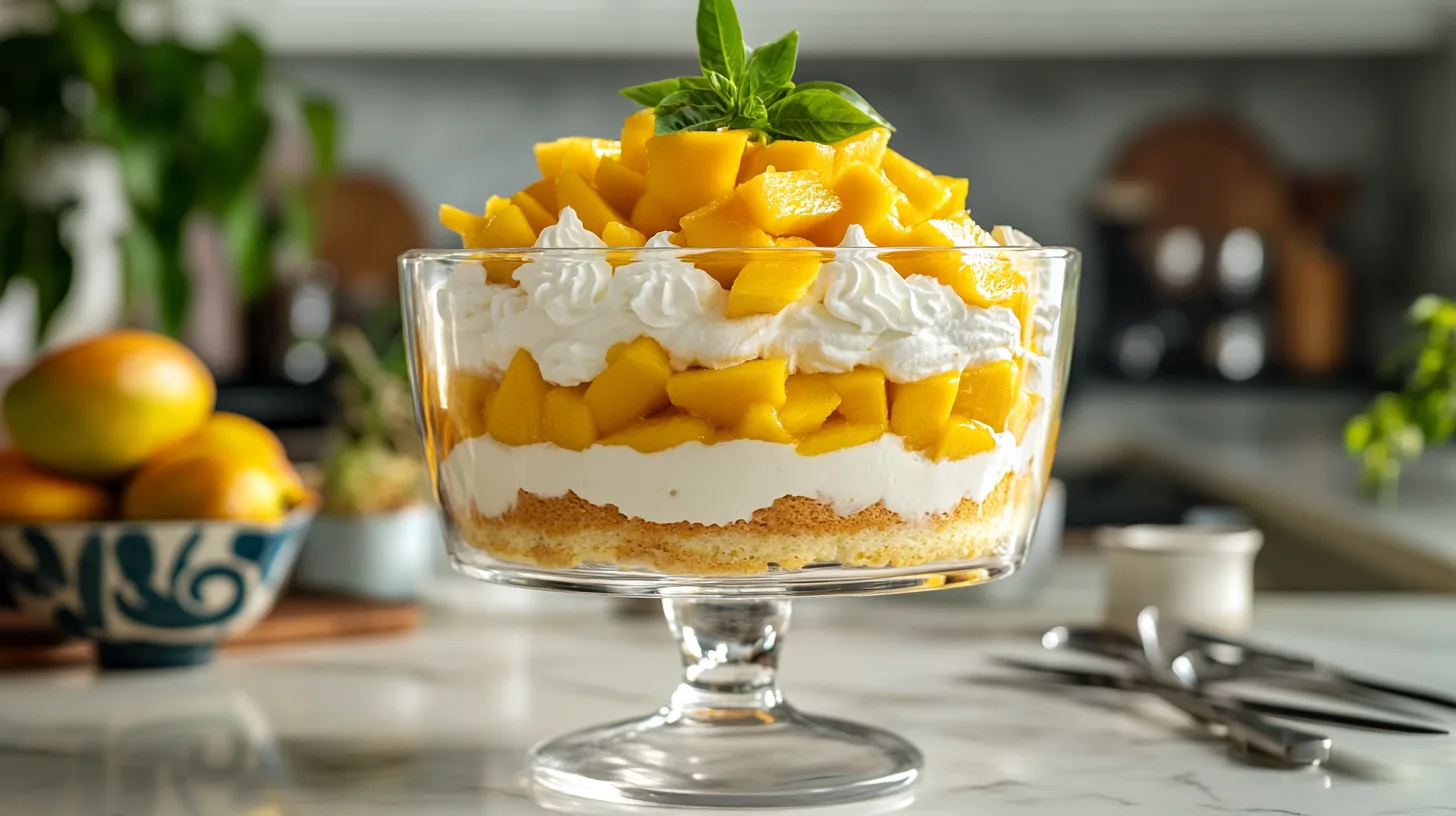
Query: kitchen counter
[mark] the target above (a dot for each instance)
(1281, 456)
(438, 722)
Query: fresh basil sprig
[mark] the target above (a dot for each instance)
(753, 89)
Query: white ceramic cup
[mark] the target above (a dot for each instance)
(1199, 575)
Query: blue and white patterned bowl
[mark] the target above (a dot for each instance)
(151, 594)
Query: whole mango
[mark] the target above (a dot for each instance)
(208, 485)
(102, 407)
(29, 493)
(233, 435)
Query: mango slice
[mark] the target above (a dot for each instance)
(918, 410)
(724, 223)
(767, 285)
(652, 216)
(515, 411)
(537, 215)
(465, 224)
(981, 279)
(866, 197)
(636, 130)
(926, 192)
(964, 437)
(761, 422)
(788, 154)
(988, 393)
(660, 433)
(578, 153)
(722, 396)
(862, 397)
(959, 189)
(468, 396)
(691, 169)
(544, 191)
(837, 434)
(811, 398)
(867, 148)
(618, 234)
(620, 185)
(566, 419)
(787, 203)
(1021, 415)
(508, 229)
(633, 385)
(574, 191)
(494, 205)
(792, 241)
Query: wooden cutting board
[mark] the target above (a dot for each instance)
(298, 617)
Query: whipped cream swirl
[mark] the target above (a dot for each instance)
(563, 287)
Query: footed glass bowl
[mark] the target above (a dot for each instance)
(725, 430)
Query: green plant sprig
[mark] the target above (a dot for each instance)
(1399, 426)
(753, 89)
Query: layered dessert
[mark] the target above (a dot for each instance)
(732, 351)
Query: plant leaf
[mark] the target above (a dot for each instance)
(321, 119)
(752, 113)
(818, 115)
(690, 110)
(725, 88)
(772, 66)
(247, 244)
(720, 39)
(174, 289)
(47, 263)
(849, 95)
(651, 93)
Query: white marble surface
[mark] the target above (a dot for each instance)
(1282, 456)
(438, 722)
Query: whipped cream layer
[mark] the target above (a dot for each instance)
(568, 311)
(723, 483)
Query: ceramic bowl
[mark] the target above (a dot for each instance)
(150, 594)
(384, 556)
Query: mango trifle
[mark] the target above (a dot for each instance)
(710, 351)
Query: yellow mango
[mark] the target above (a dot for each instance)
(566, 419)
(981, 278)
(723, 266)
(508, 229)
(866, 198)
(761, 422)
(515, 411)
(578, 153)
(468, 398)
(691, 169)
(633, 385)
(867, 148)
(839, 433)
(465, 224)
(636, 130)
(963, 437)
(722, 395)
(789, 202)
(918, 410)
(988, 393)
(788, 154)
(959, 189)
(538, 216)
(620, 185)
(767, 285)
(810, 399)
(574, 191)
(862, 398)
(494, 205)
(724, 223)
(618, 234)
(651, 216)
(926, 192)
(1021, 415)
(660, 433)
(544, 191)
(792, 241)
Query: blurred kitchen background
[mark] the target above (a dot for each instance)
(1261, 188)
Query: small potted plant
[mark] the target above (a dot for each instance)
(377, 535)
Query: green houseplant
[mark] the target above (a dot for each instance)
(189, 126)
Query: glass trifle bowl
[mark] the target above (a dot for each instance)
(726, 429)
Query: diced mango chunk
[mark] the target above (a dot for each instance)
(767, 285)
(578, 153)
(1022, 414)
(988, 393)
(508, 229)
(652, 216)
(866, 197)
(959, 189)
(761, 422)
(811, 398)
(787, 203)
(544, 191)
(466, 224)
(660, 433)
(918, 410)
(636, 130)
(867, 148)
(467, 398)
(722, 396)
(862, 398)
(574, 191)
(618, 234)
(515, 411)
(837, 434)
(494, 205)
(788, 154)
(964, 437)
(926, 192)
(620, 185)
(724, 223)
(536, 214)
(981, 278)
(633, 385)
(793, 241)
(691, 169)
(566, 419)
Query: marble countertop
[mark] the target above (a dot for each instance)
(438, 722)
(1280, 455)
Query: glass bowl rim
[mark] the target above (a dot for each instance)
(1061, 253)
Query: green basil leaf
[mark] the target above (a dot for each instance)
(650, 94)
(321, 119)
(772, 66)
(817, 115)
(751, 114)
(720, 39)
(725, 88)
(690, 110)
(849, 95)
